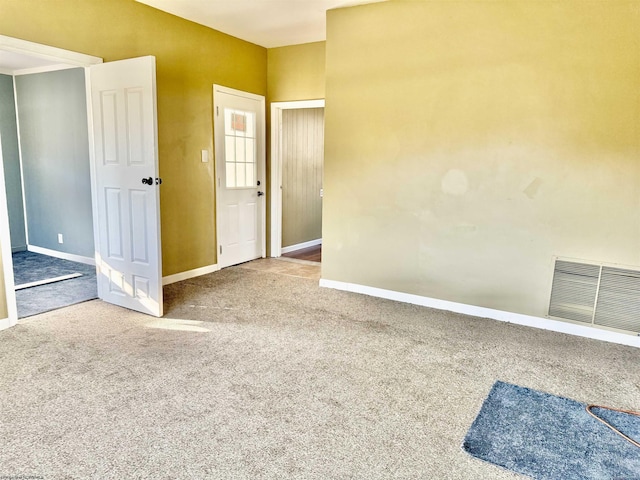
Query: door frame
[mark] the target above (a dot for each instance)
(261, 155)
(7, 262)
(276, 167)
(61, 59)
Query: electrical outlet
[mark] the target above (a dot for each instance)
(204, 156)
(60, 239)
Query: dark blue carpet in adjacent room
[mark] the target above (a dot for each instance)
(31, 267)
(550, 437)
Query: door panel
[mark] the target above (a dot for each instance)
(250, 224)
(233, 225)
(139, 233)
(124, 121)
(239, 138)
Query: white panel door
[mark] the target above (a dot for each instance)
(123, 100)
(240, 165)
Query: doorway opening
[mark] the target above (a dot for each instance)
(297, 153)
(117, 232)
(47, 182)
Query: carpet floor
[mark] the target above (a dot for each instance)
(31, 267)
(253, 374)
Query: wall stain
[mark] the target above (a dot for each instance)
(532, 190)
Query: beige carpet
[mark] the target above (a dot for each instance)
(253, 374)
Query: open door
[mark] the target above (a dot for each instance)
(124, 115)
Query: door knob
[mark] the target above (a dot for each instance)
(149, 181)
(260, 194)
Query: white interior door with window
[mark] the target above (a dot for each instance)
(240, 175)
(126, 193)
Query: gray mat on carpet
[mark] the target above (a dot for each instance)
(31, 267)
(550, 437)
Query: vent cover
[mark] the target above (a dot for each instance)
(596, 294)
(573, 294)
(619, 299)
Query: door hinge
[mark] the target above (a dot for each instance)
(217, 111)
(220, 249)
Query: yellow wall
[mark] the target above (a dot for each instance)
(190, 59)
(296, 72)
(469, 142)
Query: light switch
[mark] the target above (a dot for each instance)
(205, 156)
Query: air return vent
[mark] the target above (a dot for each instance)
(618, 303)
(596, 294)
(573, 294)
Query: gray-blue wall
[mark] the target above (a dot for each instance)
(11, 158)
(52, 112)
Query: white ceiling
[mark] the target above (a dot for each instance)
(269, 23)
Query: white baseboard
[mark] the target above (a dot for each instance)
(500, 315)
(300, 246)
(196, 272)
(19, 249)
(6, 323)
(62, 255)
